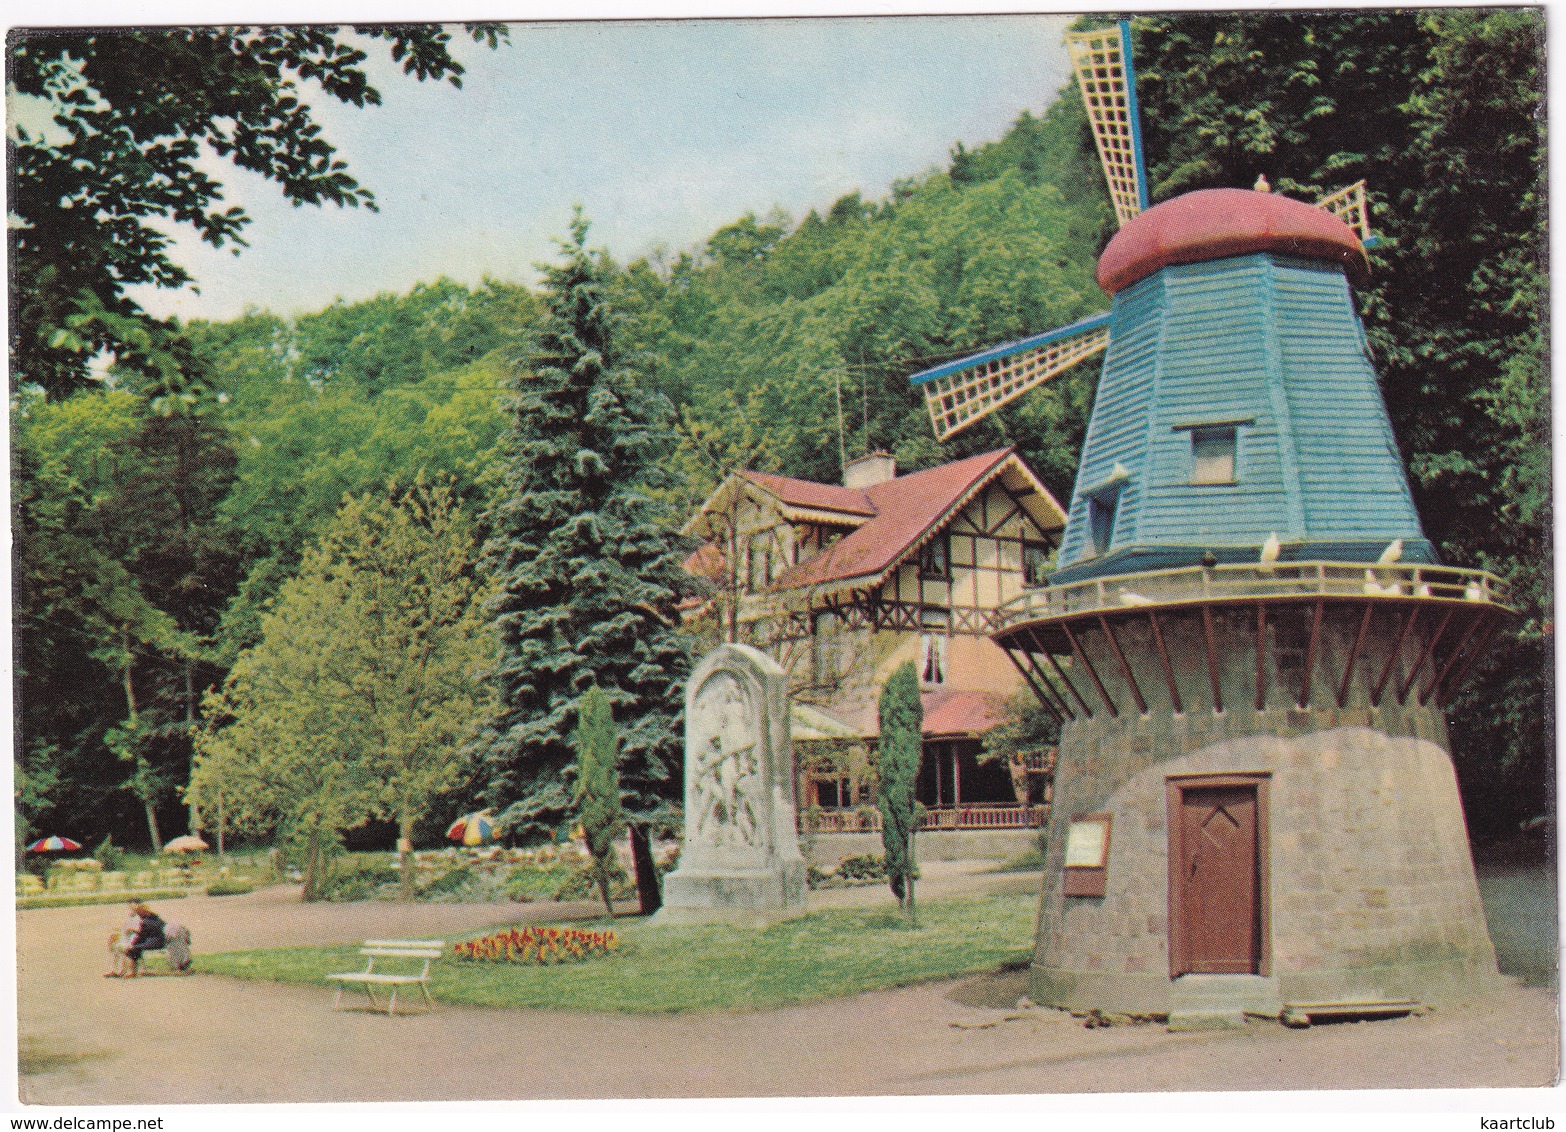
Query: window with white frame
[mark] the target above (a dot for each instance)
(1035, 564)
(935, 560)
(932, 658)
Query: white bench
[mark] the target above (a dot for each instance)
(401, 955)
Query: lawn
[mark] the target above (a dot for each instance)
(711, 967)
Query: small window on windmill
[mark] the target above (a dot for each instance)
(1290, 638)
(1212, 454)
(1101, 520)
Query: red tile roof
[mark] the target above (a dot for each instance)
(960, 713)
(948, 713)
(905, 508)
(812, 495)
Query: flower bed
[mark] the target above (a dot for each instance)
(539, 946)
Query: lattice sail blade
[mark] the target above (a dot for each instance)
(1350, 206)
(967, 389)
(1105, 73)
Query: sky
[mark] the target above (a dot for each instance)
(662, 130)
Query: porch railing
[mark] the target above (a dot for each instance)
(970, 815)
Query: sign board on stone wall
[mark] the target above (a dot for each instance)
(740, 855)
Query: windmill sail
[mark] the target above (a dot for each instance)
(961, 391)
(1349, 205)
(1105, 73)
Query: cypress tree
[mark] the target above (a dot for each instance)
(902, 725)
(598, 786)
(589, 569)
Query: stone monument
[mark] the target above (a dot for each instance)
(740, 857)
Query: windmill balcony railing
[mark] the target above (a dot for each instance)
(1251, 582)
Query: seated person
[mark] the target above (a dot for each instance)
(149, 937)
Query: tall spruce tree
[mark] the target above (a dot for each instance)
(589, 568)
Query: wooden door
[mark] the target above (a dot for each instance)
(1215, 905)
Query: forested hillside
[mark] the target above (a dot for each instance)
(150, 543)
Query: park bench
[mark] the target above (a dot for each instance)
(400, 955)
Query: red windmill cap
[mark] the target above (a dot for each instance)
(1214, 223)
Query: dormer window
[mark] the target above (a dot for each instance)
(935, 560)
(1101, 520)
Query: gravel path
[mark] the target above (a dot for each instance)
(162, 1040)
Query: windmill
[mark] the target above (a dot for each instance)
(965, 390)
(1247, 638)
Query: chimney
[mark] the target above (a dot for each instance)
(867, 471)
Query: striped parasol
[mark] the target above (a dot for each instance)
(472, 829)
(54, 845)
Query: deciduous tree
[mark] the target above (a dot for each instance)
(367, 679)
(111, 129)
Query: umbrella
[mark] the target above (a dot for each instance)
(472, 829)
(189, 843)
(54, 845)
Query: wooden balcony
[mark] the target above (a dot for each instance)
(1110, 639)
(1252, 582)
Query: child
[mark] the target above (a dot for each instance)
(119, 964)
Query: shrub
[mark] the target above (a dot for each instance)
(1030, 861)
(109, 855)
(78, 899)
(230, 886)
(582, 883)
(446, 883)
(535, 882)
(355, 877)
(866, 866)
(541, 946)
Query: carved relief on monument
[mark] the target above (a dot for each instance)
(728, 790)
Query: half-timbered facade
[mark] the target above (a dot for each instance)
(844, 583)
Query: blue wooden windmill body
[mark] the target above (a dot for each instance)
(1260, 359)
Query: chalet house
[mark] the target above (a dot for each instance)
(844, 583)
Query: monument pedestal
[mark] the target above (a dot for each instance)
(738, 895)
(740, 859)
